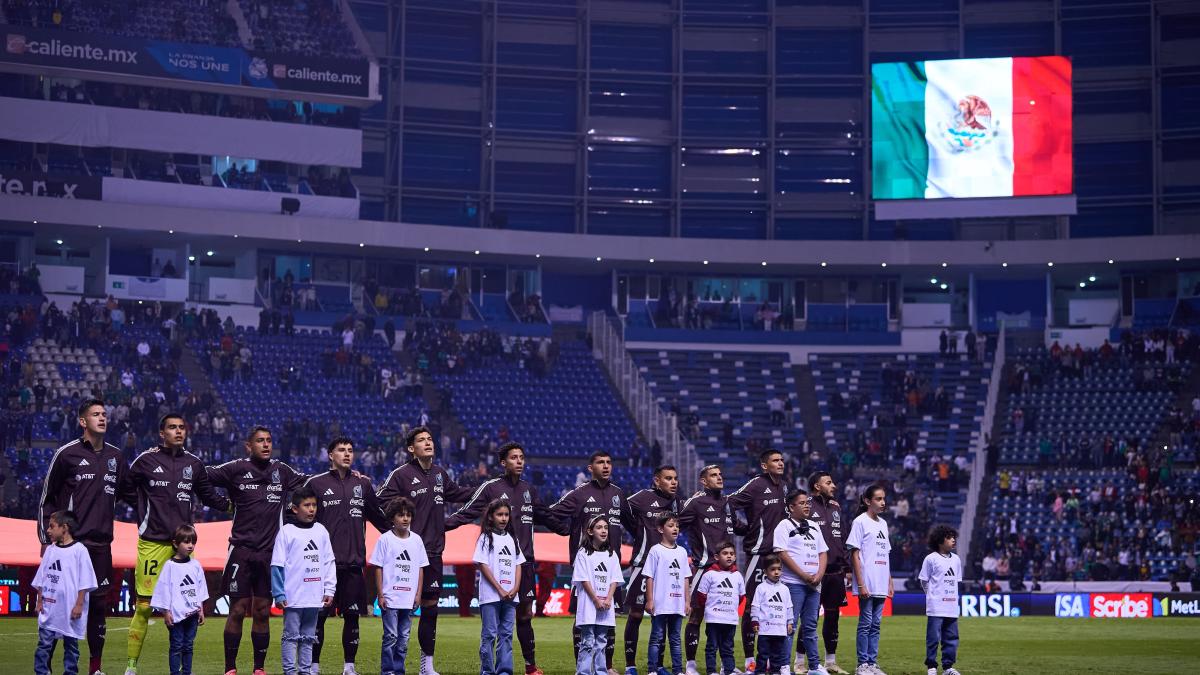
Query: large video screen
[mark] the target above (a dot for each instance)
(971, 128)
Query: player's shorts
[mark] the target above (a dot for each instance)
(635, 592)
(696, 577)
(151, 556)
(756, 573)
(833, 591)
(247, 573)
(101, 556)
(351, 594)
(432, 583)
(528, 592)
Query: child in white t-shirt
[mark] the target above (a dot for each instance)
(596, 576)
(720, 591)
(940, 575)
(63, 580)
(303, 580)
(399, 559)
(179, 594)
(668, 596)
(498, 562)
(870, 548)
(771, 618)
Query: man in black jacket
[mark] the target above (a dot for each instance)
(707, 521)
(345, 502)
(828, 514)
(646, 506)
(527, 511)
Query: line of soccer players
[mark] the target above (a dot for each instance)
(88, 477)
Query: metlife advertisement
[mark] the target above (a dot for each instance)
(194, 63)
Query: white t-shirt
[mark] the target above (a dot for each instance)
(870, 537)
(401, 561)
(601, 569)
(804, 548)
(307, 560)
(669, 569)
(502, 560)
(180, 589)
(723, 591)
(942, 574)
(65, 570)
(771, 608)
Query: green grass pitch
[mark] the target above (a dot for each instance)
(993, 646)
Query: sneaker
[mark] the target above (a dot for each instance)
(691, 669)
(864, 669)
(950, 671)
(260, 671)
(819, 670)
(749, 666)
(533, 670)
(834, 668)
(346, 670)
(785, 670)
(876, 669)
(931, 671)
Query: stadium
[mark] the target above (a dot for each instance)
(631, 337)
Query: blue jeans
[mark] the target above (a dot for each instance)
(299, 634)
(45, 652)
(592, 641)
(870, 615)
(944, 630)
(183, 635)
(718, 637)
(772, 654)
(396, 625)
(670, 625)
(806, 607)
(496, 636)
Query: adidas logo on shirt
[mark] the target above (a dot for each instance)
(404, 556)
(674, 565)
(328, 491)
(416, 481)
(312, 546)
(776, 598)
(655, 505)
(711, 509)
(56, 565)
(505, 551)
(84, 462)
(601, 567)
(248, 475)
(879, 535)
(503, 496)
(949, 572)
(591, 499)
(187, 581)
(158, 469)
(766, 491)
(725, 584)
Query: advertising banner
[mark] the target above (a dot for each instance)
(194, 63)
(44, 185)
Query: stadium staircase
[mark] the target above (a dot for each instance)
(244, 32)
(809, 407)
(194, 373)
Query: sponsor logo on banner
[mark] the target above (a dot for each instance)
(1177, 605)
(59, 187)
(988, 605)
(1072, 605)
(1121, 605)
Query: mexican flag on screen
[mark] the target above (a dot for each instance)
(971, 128)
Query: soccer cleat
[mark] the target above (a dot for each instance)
(533, 670)
(876, 669)
(316, 669)
(785, 670)
(749, 666)
(348, 669)
(950, 671)
(691, 669)
(631, 670)
(232, 671)
(260, 671)
(833, 668)
(427, 665)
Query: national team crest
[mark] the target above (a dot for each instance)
(527, 500)
(187, 473)
(275, 476)
(616, 501)
(439, 479)
(358, 492)
(971, 128)
(112, 464)
(835, 515)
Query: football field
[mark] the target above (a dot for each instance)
(993, 646)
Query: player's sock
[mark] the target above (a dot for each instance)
(632, 625)
(261, 642)
(232, 642)
(93, 663)
(829, 632)
(96, 628)
(525, 637)
(350, 637)
(427, 630)
(320, 638)
(691, 641)
(610, 647)
(747, 637)
(137, 630)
